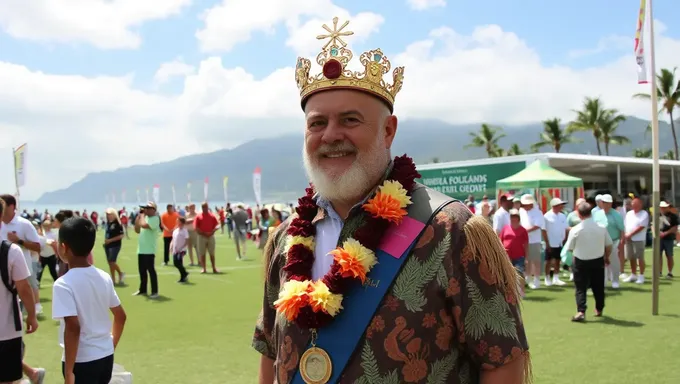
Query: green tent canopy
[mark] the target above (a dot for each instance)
(538, 175)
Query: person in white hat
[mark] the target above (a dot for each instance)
(598, 203)
(532, 220)
(669, 229)
(611, 219)
(554, 235)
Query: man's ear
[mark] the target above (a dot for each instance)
(390, 130)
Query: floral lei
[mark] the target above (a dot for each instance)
(313, 304)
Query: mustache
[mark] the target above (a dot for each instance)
(336, 147)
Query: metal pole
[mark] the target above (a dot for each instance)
(618, 179)
(673, 184)
(656, 193)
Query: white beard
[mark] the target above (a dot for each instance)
(353, 183)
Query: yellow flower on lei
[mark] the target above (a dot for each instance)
(307, 242)
(395, 190)
(321, 298)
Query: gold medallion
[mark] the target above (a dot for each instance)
(315, 366)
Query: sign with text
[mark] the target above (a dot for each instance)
(476, 180)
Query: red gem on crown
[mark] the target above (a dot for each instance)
(332, 69)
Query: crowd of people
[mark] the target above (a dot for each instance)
(64, 241)
(592, 243)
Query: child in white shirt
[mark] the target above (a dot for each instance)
(178, 247)
(81, 300)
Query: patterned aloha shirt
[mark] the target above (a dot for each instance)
(445, 318)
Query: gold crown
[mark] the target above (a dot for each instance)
(333, 59)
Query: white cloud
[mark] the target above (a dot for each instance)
(421, 5)
(234, 22)
(172, 69)
(75, 124)
(106, 24)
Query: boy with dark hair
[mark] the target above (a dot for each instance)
(81, 300)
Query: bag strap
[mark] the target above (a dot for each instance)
(8, 283)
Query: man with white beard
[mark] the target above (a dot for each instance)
(334, 280)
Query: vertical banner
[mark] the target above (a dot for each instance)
(257, 185)
(20, 167)
(113, 198)
(147, 194)
(189, 192)
(640, 44)
(139, 199)
(205, 189)
(174, 196)
(156, 193)
(122, 197)
(225, 180)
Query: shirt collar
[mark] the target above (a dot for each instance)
(326, 208)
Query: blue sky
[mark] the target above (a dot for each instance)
(74, 71)
(552, 28)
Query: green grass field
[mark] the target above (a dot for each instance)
(201, 332)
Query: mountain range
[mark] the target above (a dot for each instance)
(283, 175)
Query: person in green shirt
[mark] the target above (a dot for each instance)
(612, 220)
(572, 218)
(148, 226)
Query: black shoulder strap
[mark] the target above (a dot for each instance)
(9, 284)
(427, 203)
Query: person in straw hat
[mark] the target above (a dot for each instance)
(328, 319)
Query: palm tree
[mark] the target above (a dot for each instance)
(609, 122)
(514, 150)
(554, 136)
(668, 94)
(601, 122)
(645, 153)
(587, 120)
(487, 138)
(670, 155)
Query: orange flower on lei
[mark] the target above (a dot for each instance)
(389, 203)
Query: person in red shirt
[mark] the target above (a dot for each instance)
(221, 215)
(95, 216)
(206, 225)
(515, 239)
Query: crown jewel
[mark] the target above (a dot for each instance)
(333, 59)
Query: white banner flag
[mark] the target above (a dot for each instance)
(257, 185)
(225, 180)
(147, 194)
(139, 198)
(189, 192)
(113, 198)
(174, 197)
(20, 166)
(640, 44)
(122, 197)
(156, 194)
(205, 189)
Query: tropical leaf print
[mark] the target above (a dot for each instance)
(488, 315)
(272, 294)
(442, 279)
(416, 275)
(371, 372)
(440, 369)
